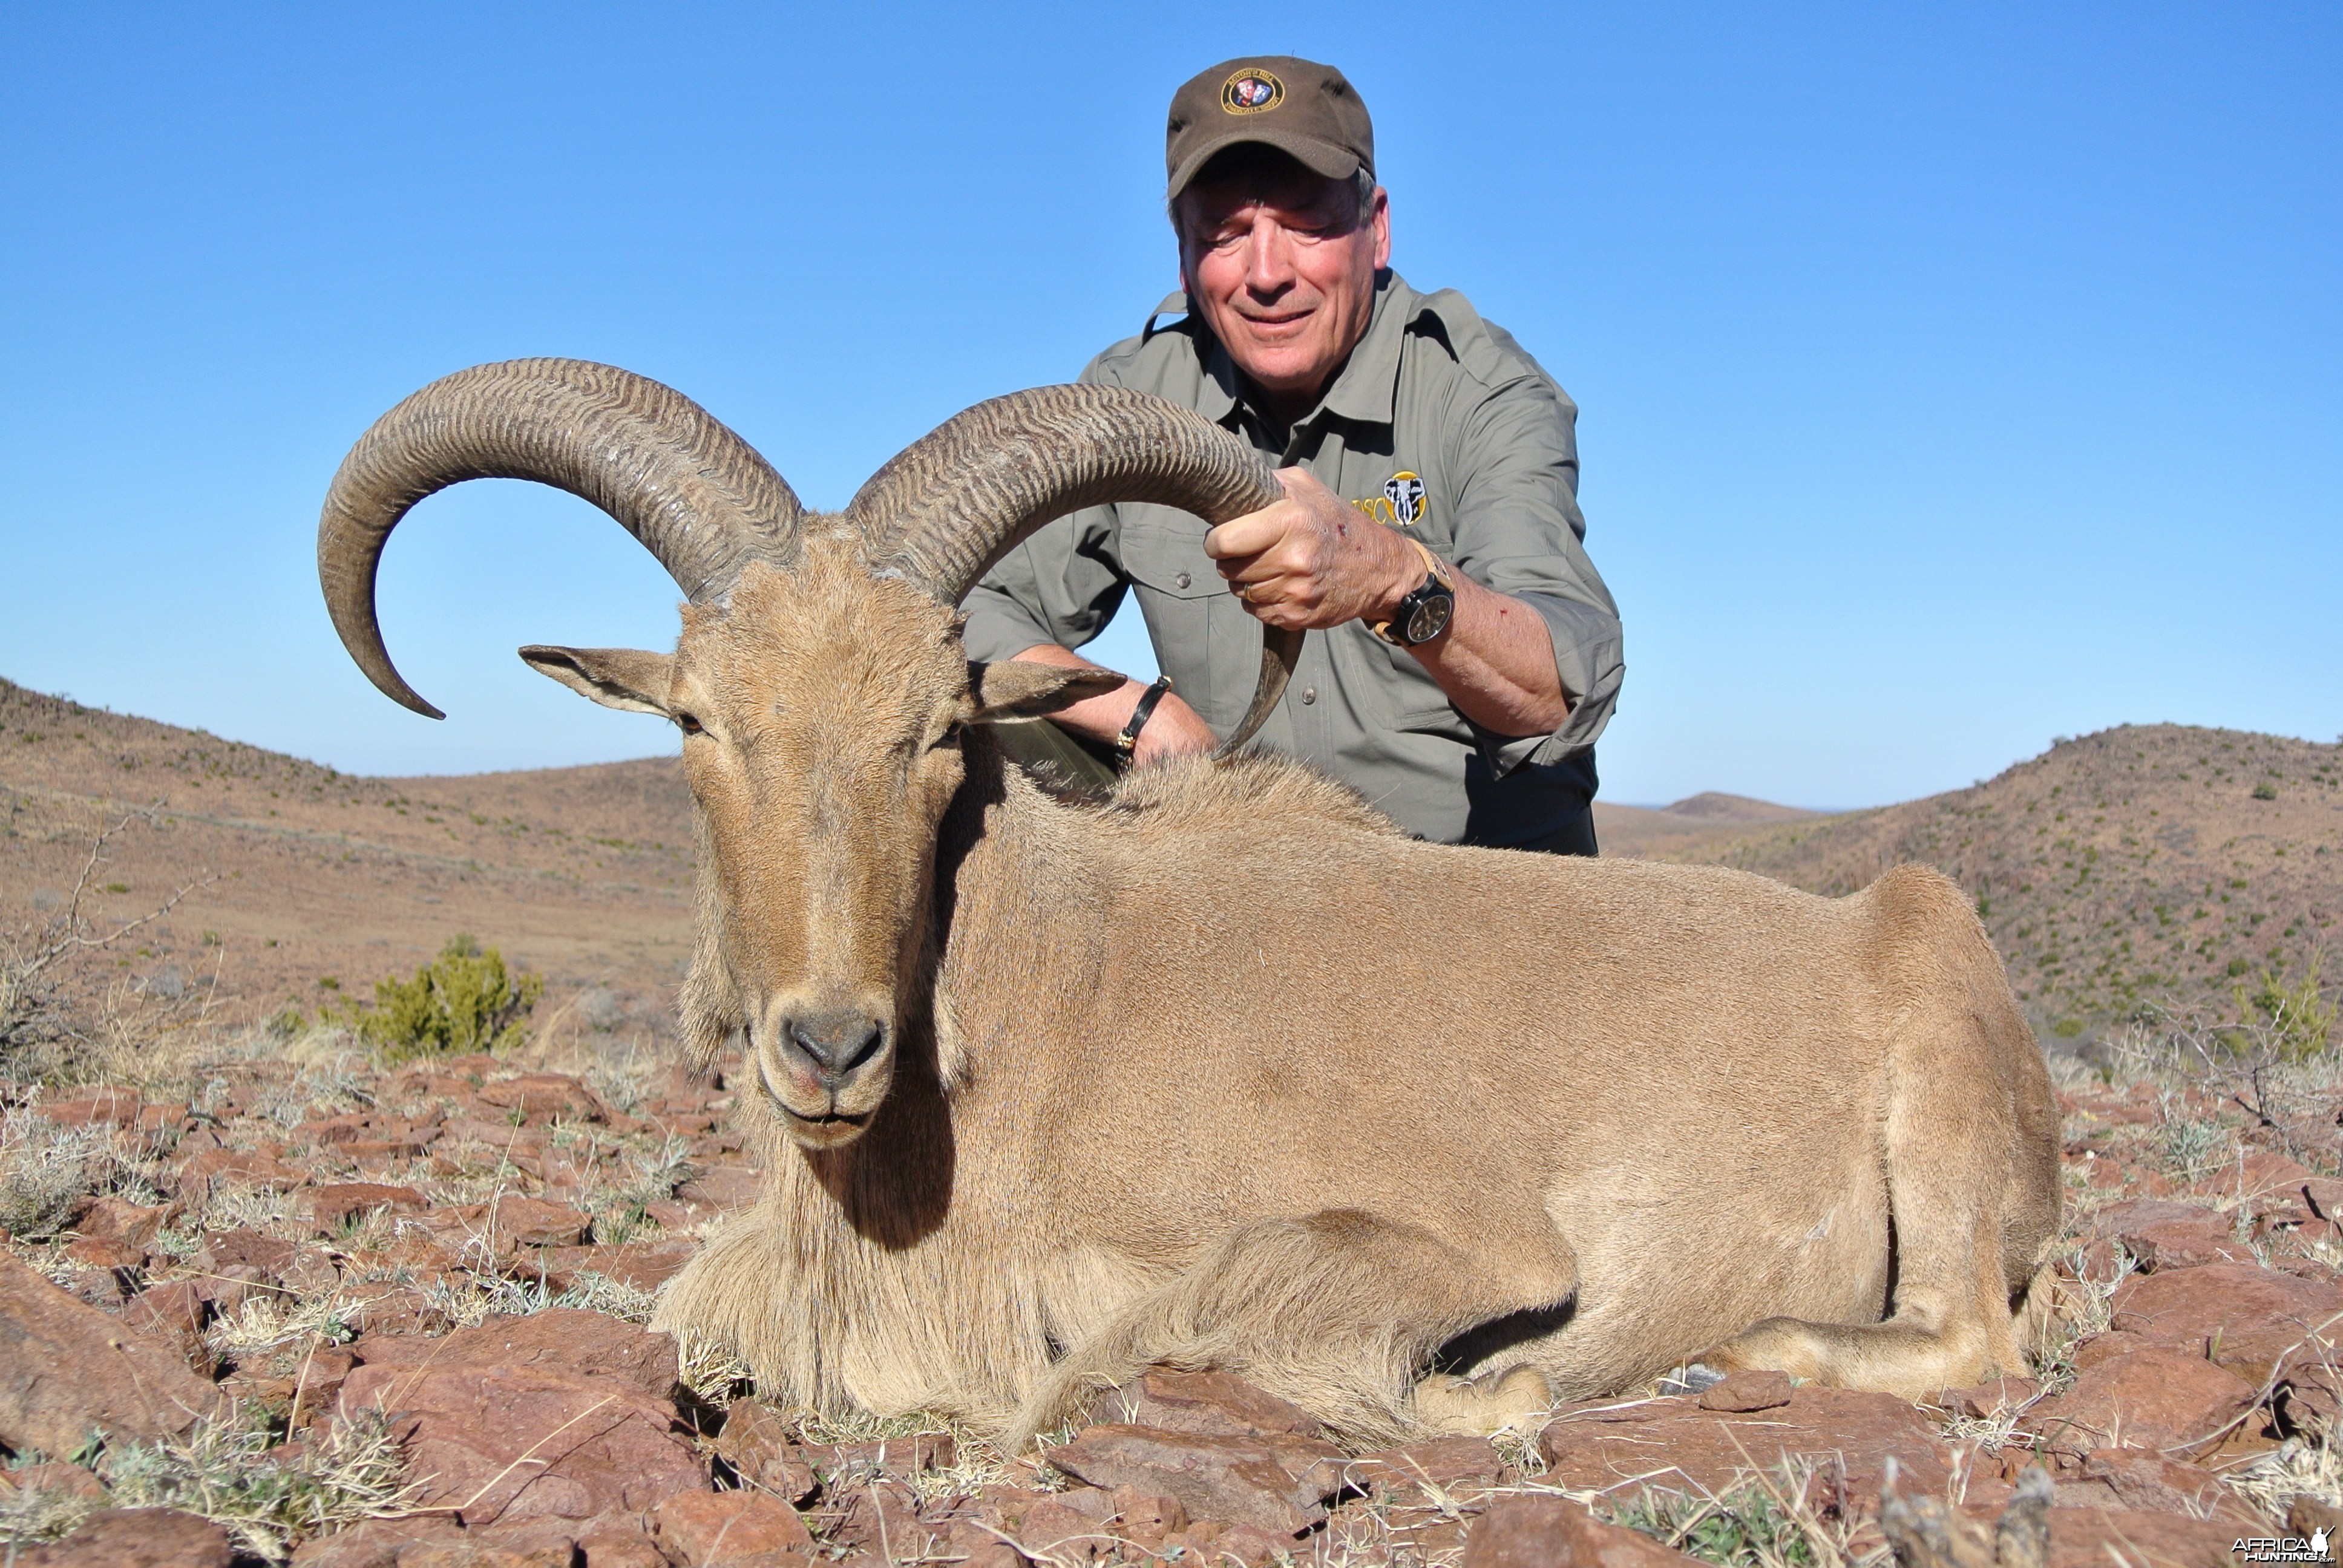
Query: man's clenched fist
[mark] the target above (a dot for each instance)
(1311, 561)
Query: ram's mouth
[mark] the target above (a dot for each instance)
(828, 1119)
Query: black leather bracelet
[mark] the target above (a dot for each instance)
(1126, 742)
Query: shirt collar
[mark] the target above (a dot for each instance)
(1365, 393)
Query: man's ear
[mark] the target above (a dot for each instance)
(625, 678)
(1011, 689)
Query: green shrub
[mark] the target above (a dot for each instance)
(2298, 1019)
(462, 1001)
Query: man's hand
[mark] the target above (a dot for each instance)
(1311, 561)
(1173, 730)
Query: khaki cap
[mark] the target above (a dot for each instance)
(1298, 107)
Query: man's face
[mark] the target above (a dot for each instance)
(1283, 263)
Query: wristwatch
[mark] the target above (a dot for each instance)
(1424, 613)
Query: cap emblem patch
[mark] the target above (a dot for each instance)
(1250, 91)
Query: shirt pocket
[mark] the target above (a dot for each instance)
(1169, 561)
(1191, 615)
(1392, 690)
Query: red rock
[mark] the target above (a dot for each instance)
(533, 1222)
(2263, 1178)
(1984, 1401)
(175, 1313)
(2150, 1483)
(210, 1169)
(1277, 1482)
(502, 1135)
(1598, 1445)
(136, 1538)
(1217, 1403)
(2326, 1196)
(1251, 1546)
(378, 1543)
(2098, 1537)
(56, 1476)
(2157, 1399)
(1055, 1531)
(2253, 1321)
(95, 1108)
(756, 1444)
(1425, 1472)
(317, 1380)
(225, 1250)
(593, 1345)
(898, 1458)
(2103, 1347)
(1743, 1392)
(1554, 1533)
(544, 1097)
(131, 1224)
(620, 1541)
(533, 1544)
(105, 1252)
(642, 1265)
(73, 1369)
(723, 1187)
(328, 1209)
(524, 1442)
(2163, 1236)
(1147, 1517)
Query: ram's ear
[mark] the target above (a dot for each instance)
(1010, 690)
(625, 678)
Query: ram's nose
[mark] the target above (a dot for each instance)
(833, 1044)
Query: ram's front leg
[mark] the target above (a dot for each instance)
(1339, 1312)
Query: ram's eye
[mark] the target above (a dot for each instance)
(687, 723)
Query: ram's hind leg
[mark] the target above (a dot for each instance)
(1972, 1157)
(1338, 1312)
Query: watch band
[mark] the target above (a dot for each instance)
(1437, 570)
(1126, 742)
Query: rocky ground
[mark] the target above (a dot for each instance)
(281, 1303)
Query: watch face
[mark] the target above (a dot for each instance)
(1430, 618)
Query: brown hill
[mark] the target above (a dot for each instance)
(2146, 863)
(2139, 864)
(581, 873)
(1680, 831)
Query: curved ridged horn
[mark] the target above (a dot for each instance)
(955, 501)
(698, 497)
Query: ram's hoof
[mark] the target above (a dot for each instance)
(1691, 1377)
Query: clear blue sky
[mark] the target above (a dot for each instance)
(1951, 377)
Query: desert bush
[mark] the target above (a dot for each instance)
(65, 1019)
(44, 1169)
(2296, 1022)
(230, 1470)
(462, 1001)
(1759, 1522)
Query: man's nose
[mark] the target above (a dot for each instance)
(834, 1043)
(1269, 257)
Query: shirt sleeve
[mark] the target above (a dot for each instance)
(1062, 585)
(1519, 532)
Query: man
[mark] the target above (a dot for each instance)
(1466, 653)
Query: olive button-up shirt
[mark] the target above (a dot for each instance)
(1439, 425)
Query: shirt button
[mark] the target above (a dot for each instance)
(1182, 580)
(1309, 694)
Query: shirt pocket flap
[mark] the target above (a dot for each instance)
(1169, 559)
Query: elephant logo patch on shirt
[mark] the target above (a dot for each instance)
(1405, 491)
(1404, 503)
